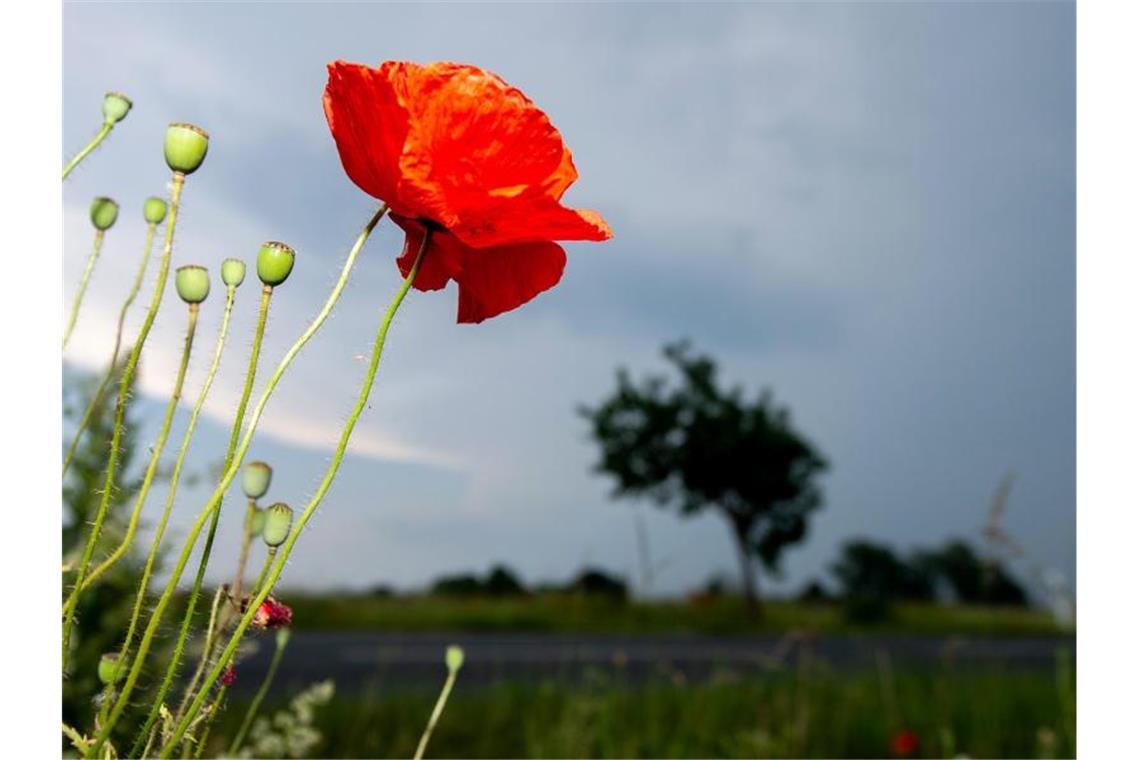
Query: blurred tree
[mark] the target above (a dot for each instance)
(973, 580)
(104, 608)
(697, 447)
(871, 576)
(594, 581)
(502, 581)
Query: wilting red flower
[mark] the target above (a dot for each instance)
(272, 614)
(904, 744)
(228, 677)
(457, 149)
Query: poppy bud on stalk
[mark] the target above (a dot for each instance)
(278, 521)
(454, 658)
(116, 106)
(154, 210)
(255, 479)
(233, 272)
(108, 663)
(192, 283)
(104, 212)
(185, 147)
(274, 263)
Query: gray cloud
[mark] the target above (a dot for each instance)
(868, 209)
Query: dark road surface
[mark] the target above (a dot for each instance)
(355, 660)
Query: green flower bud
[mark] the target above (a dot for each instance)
(257, 523)
(108, 663)
(116, 105)
(278, 521)
(233, 272)
(274, 263)
(104, 212)
(185, 147)
(154, 210)
(454, 658)
(192, 283)
(255, 479)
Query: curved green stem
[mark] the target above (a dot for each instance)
(257, 584)
(243, 555)
(99, 137)
(227, 479)
(97, 399)
(83, 286)
(435, 713)
(155, 455)
(239, 737)
(192, 600)
(322, 489)
(120, 411)
(213, 713)
(207, 646)
(175, 478)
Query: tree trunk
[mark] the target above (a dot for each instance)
(747, 573)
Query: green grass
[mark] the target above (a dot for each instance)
(566, 613)
(811, 712)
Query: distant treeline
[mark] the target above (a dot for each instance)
(871, 576)
(501, 581)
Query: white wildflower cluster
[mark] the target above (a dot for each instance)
(289, 732)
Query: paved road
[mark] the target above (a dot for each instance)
(355, 660)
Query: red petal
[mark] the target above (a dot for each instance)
(505, 277)
(491, 280)
(506, 221)
(441, 261)
(474, 139)
(369, 125)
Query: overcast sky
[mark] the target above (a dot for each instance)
(868, 209)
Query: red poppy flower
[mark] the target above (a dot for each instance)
(457, 149)
(272, 614)
(904, 744)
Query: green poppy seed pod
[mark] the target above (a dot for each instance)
(116, 106)
(192, 283)
(108, 663)
(257, 523)
(454, 658)
(278, 521)
(274, 263)
(233, 272)
(255, 479)
(185, 147)
(154, 210)
(104, 212)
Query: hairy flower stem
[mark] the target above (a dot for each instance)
(208, 645)
(192, 601)
(269, 557)
(243, 556)
(239, 737)
(99, 137)
(214, 709)
(227, 479)
(97, 399)
(177, 184)
(99, 234)
(175, 478)
(310, 508)
(436, 712)
(155, 456)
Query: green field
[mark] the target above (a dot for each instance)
(567, 613)
(809, 712)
